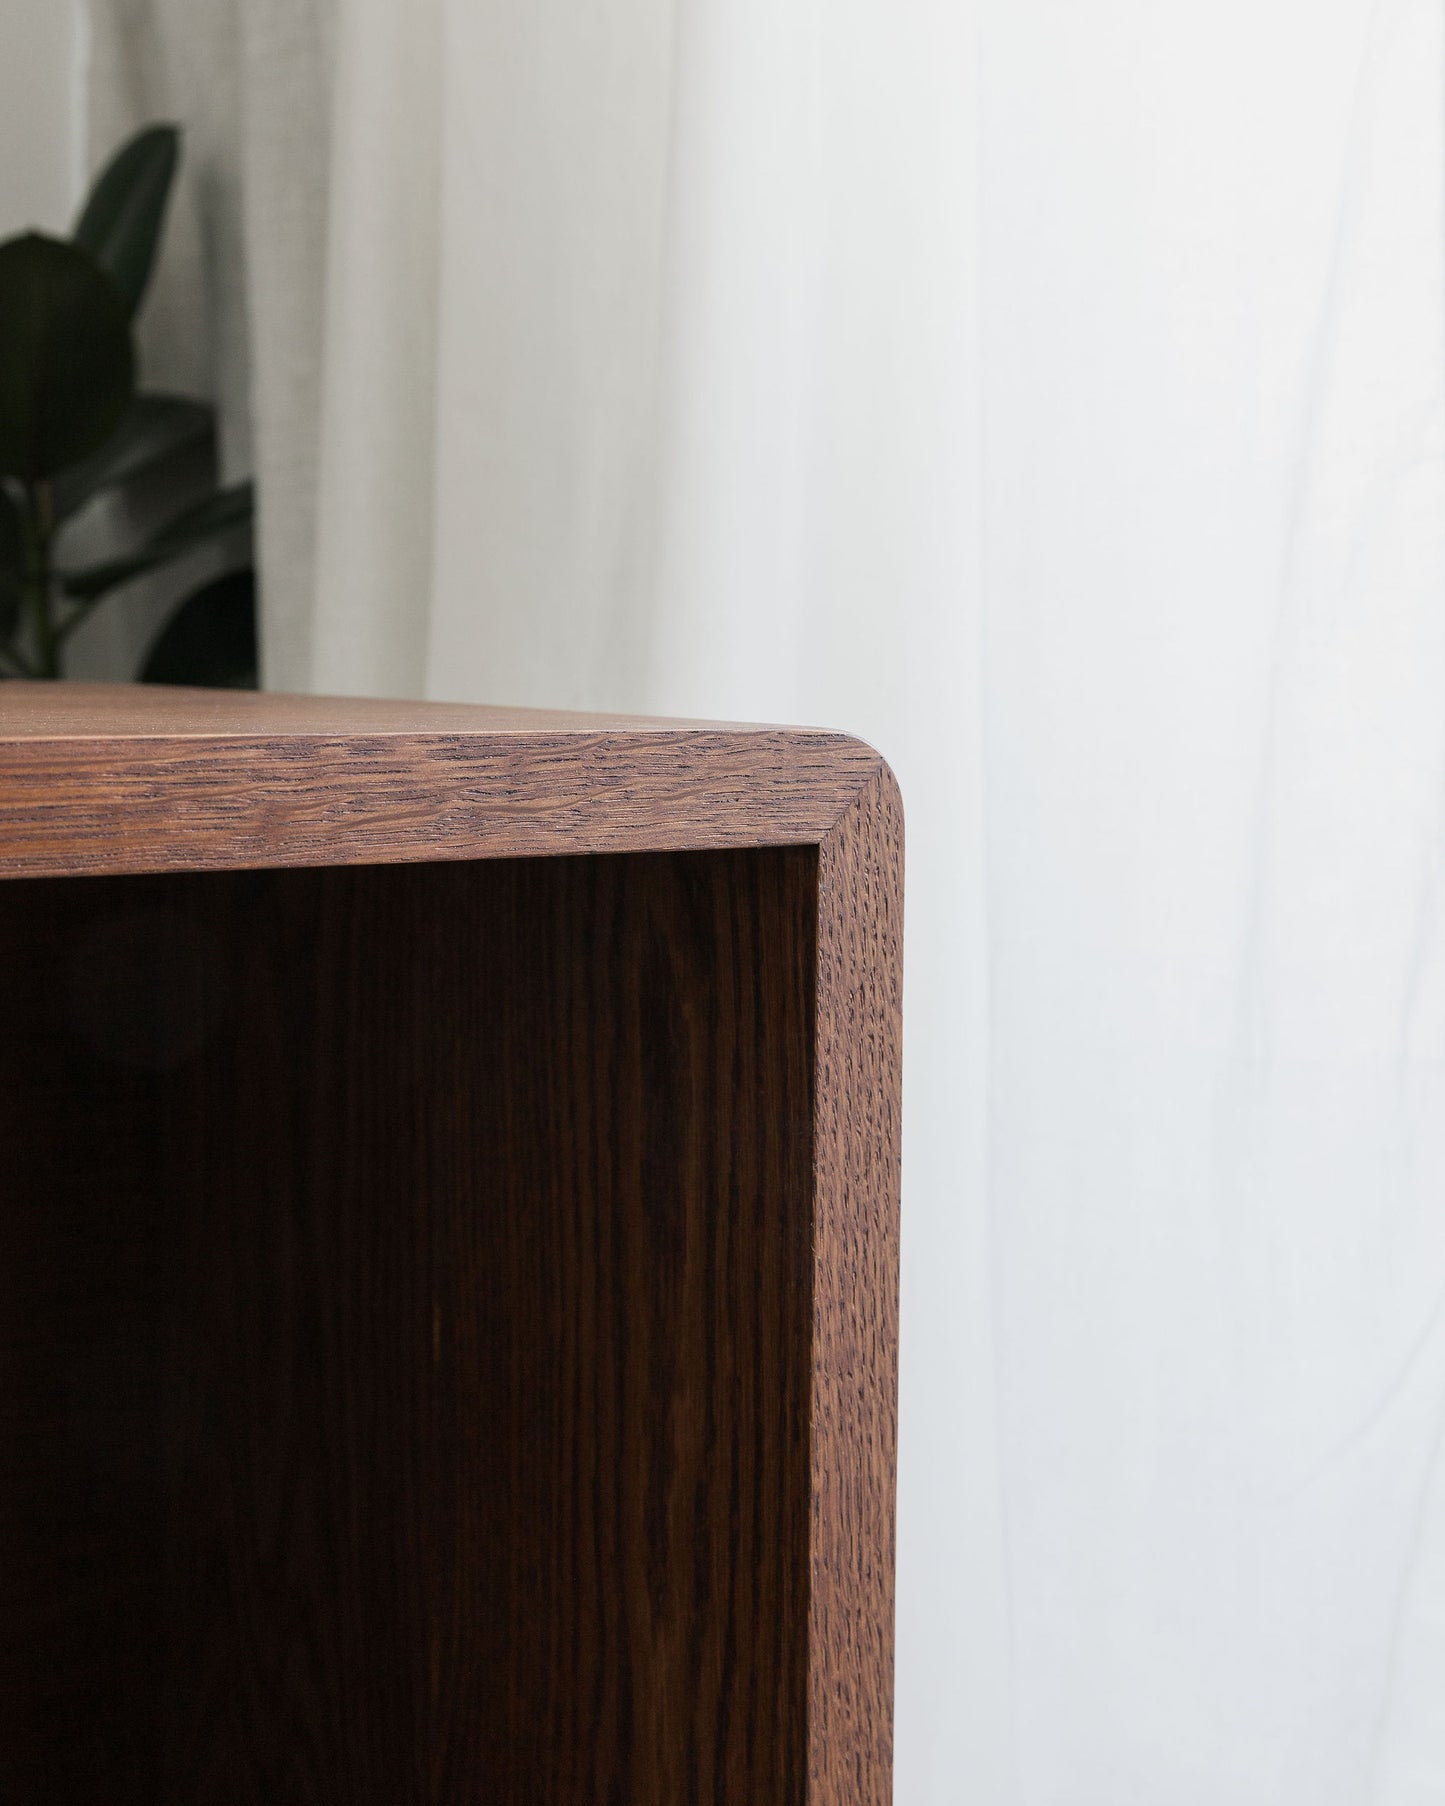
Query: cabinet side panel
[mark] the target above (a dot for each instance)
(855, 1305)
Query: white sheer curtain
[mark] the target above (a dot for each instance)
(1054, 395)
(1214, 531)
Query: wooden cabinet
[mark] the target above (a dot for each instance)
(448, 1256)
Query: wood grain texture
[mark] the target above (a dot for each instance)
(456, 1360)
(433, 1346)
(855, 1299)
(356, 785)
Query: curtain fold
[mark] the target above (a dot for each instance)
(1053, 395)
(237, 307)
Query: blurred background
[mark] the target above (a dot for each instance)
(1052, 394)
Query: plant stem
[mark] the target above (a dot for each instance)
(40, 576)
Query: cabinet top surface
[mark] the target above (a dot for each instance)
(76, 711)
(110, 778)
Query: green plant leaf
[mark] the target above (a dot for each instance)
(210, 641)
(12, 565)
(120, 224)
(219, 513)
(67, 364)
(153, 429)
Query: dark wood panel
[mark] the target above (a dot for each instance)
(406, 1278)
(87, 1284)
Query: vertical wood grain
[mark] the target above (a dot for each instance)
(855, 1302)
(406, 1391)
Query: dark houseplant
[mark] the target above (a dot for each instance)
(74, 426)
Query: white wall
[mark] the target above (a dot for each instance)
(40, 69)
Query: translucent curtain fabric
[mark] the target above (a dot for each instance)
(1053, 395)
(1214, 531)
(236, 311)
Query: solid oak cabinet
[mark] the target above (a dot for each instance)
(448, 1256)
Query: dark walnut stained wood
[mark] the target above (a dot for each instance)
(447, 1294)
(247, 780)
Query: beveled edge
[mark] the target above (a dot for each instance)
(98, 711)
